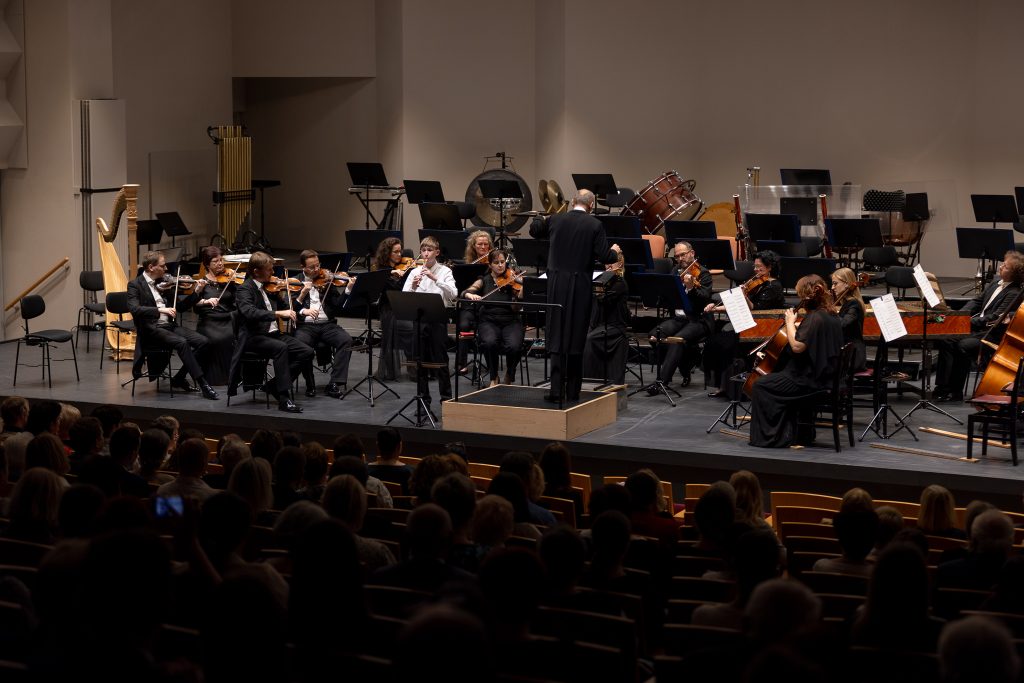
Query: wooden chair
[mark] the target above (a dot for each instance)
(813, 544)
(949, 603)
(945, 543)
(1000, 412)
(799, 563)
(802, 500)
(563, 508)
(705, 590)
(806, 530)
(409, 460)
(831, 582)
(808, 515)
(394, 488)
(582, 483)
(588, 627)
(392, 601)
(695, 565)
(481, 483)
(685, 639)
(838, 606)
(22, 553)
(666, 489)
(482, 469)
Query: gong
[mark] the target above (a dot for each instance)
(489, 215)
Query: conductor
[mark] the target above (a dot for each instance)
(577, 241)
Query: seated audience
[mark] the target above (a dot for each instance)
(756, 560)
(345, 500)
(153, 445)
(645, 518)
(523, 466)
(457, 495)
(556, 463)
(230, 453)
(388, 467)
(977, 648)
(192, 456)
(86, 440)
(251, 481)
(991, 543)
(492, 523)
(937, 516)
(124, 450)
(857, 530)
(289, 464)
(291, 524)
(351, 445)
(429, 536)
(33, 507)
(47, 451)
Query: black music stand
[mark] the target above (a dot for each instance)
(684, 231)
(616, 227)
(436, 216)
(881, 416)
(535, 290)
(636, 252)
(1018, 193)
(786, 249)
(419, 191)
(173, 225)
(531, 252)
(804, 208)
(501, 190)
(419, 308)
(792, 269)
(851, 235)
(451, 242)
(995, 208)
(664, 291)
(714, 254)
(367, 175)
(780, 227)
(601, 184)
(366, 290)
(262, 185)
(365, 242)
(148, 232)
(983, 244)
(923, 402)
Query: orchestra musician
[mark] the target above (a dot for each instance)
(213, 300)
(987, 309)
(607, 342)
(317, 308)
(478, 246)
(500, 328)
(259, 332)
(155, 321)
(850, 307)
(763, 292)
(691, 327)
(577, 240)
(395, 335)
(807, 366)
(433, 278)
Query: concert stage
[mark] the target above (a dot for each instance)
(648, 432)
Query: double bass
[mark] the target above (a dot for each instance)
(1002, 368)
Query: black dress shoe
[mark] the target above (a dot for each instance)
(183, 384)
(653, 390)
(311, 390)
(288, 406)
(716, 394)
(335, 390)
(207, 390)
(942, 396)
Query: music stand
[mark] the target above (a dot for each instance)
(636, 252)
(173, 225)
(601, 184)
(1018, 193)
(418, 308)
(714, 254)
(787, 249)
(262, 185)
(435, 216)
(148, 232)
(535, 289)
(983, 244)
(616, 227)
(501, 190)
(419, 191)
(367, 175)
(531, 252)
(366, 290)
(994, 208)
(365, 242)
(850, 235)
(666, 291)
(684, 231)
(784, 227)
(792, 269)
(451, 242)
(804, 208)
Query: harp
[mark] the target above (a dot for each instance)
(114, 277)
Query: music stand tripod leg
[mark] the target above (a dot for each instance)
(660, 386)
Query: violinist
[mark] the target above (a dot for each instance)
(605, 352)
(500, 329)
(433, 278)
(395, 335)
(987, 309)
(213, 300)
(155, 318)
(259, 332)
(318, 304)
(692, 327)
(806, 367)
(478, 246)
(763, 292)
(850, 307)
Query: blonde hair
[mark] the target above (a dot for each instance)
(849, 278)
(36, 497)
(471, 243)
(251, 481)
(345, 500)
(69, 415)
(937, 510)
(749, 503)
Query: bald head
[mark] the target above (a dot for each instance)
(584, 199)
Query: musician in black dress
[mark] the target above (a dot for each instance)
(850, 304)
(763, 292)
(806, 366)
(987, 309)
(213, 301)
(690, 327)
(395, 335)
(478, 246)
(499, 328)
(605, 352)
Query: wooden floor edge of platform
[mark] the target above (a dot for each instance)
(962, 437)
(922, 451)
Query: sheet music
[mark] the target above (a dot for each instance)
(737, 310)
(925, 285)
(888, 316)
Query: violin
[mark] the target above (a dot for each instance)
(693, 270)
(755, 282)
(504, 281)
(183, 283)
(406, 263)
(326, 278)
(481, 259)
(278, 284)
(226, 277)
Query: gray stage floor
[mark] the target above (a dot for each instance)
(649, 431)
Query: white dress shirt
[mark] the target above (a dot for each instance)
(444, 285)
(314, 305)
(158, 297)
(272, 327)
(1000, 288)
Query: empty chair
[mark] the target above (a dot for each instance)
(91, 281)
(117, 303)
(33, 306)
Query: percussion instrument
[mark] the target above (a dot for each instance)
(486, 214)
(667, 197)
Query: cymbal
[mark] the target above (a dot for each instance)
(531, 214)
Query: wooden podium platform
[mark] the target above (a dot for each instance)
(513, 410)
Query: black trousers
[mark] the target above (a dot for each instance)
(327, 332)
(467, 323)
(433, 348)
(955, 356)
(571, 375)
(288, 354)
(677, 355)
(189, 345)
(506, 339)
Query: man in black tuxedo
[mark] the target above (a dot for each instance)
(577, 242)
(155, 322)
(258, 332)
(994, 303)
(317, 308)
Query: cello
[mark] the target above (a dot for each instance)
(771, 351)
(1002, 368)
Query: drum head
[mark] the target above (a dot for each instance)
(487, 214)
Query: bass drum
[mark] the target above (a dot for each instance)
(489, 215)
(666, 198)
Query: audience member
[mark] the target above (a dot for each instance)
(492, 523)
(314, 474)
(714, 516)
(522, 464)
(230, 454)
(443, 643)
(749, 502)
(265, 444)
(33, 508)
(124, 450)
(991, 543)
(69, 415)
(86, 440)
(345, 500)
(756, 561)
(511, 488)
(890, 523)
(78, 510)
(14, 413)
(457, 495)
(427, 471)
(47, 451)
(251, 480)
(110, 417)
(244, 634)
(857, 530)
(563, 554)
(978, 649)
(429, 536)
(289, 464)
(781, 611)
(192, 456)
(356, 467)
(857, 498)
(556, 463)
(291, 524)
(937, 516)
(153, 445)
(43, 416)
(170, 425)
(388, 467)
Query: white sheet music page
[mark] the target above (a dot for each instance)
(737, 310)
(925, 285)
(888, 316)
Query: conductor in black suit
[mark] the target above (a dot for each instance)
(994, 303)
(258, 332)
(577, 241)
(155, 321)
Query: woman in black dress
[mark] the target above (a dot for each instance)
(805, 366)
(213, 300)
(604, 356)
(499, 328)
(763, 292)
(478, 246)
(850, 304)
(393, 336)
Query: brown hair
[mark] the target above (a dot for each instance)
(208, 254)
(813, 292)
(382, 259)
(749, 503)
(1015, 260)
(430, 241)
(260, 259)
(150, 258)
(937, 510)
(305, 255)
